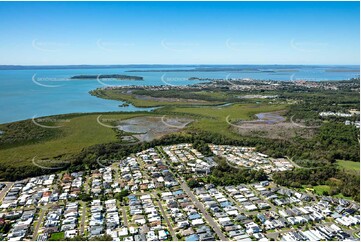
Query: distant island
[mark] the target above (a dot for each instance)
(112, 76)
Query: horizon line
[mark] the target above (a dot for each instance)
(160, 64)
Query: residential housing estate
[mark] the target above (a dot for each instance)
(145, 197)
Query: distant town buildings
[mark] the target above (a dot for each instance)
(335, 114)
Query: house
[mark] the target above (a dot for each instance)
(235, 233)
(96, 230)
(197, 222)
(183, 224)
(208, 236)
(252, 228)
(123, 232)
(250, 207)
(151, 236)
(162, 235)
(187, 232)
(70, 233)
(194, 216)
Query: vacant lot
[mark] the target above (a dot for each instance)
(321, 189)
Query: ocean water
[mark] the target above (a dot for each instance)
(41, 92)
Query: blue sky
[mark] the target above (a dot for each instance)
(57, 33)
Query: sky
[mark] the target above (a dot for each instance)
(73, 33)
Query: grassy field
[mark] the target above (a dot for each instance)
(349, 165)
(340, 195)
(57, 236)
(80, 132)
(323, 188)
(320, 189)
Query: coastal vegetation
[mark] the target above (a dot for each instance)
(25, 140)
(21, 142)
(331, 142)
(25, 133)
(147, 101)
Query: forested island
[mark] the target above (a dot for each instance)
(111, 76)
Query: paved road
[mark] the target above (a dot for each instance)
(83, 217)
(206, 215)
(165, 216)
(40, 221)
(5, 190)
(196, 202)
(125, 219)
